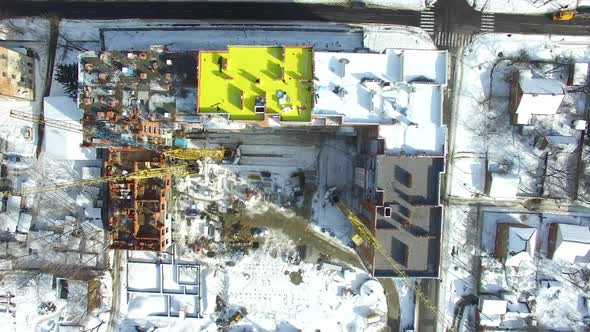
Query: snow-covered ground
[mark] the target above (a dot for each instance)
(555, 304)
(529, 7)
(276, 295)
(32, 301)
(555, 308)
(66, 237)
(407, 305)
(458, 256)
(262, 285)
(342, 305)
(482, 128)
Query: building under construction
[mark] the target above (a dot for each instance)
(137, 214)
(133, 98)
(141, 99)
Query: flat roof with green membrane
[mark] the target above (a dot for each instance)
(230, 81)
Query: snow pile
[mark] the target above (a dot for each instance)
(530, 7)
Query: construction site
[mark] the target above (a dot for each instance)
(217, 185)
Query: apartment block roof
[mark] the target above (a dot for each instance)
(248, 82)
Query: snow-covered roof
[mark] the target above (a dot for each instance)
(359, 101)
(572, 244)
(400, 90)
(419, 127)
(541, 86)
(540, 96)
(24, 222)
(424, 65)
(562, 140)
(580, 74)
(92, 213)
(521, 239)
(13, 208)
(504, 185)
(89, 172)
(60, 144)
(574, 233)
(490, 307)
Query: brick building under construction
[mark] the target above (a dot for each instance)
(137, 214)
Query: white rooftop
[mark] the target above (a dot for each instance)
(541, 96)
(580, 74)
(504, 185)
(430, 65)
(347, 72)
(492, 307)
(574, 233)
(60, 144)
(400, 90)
(24, 222)
(562, 140)
(90, 172)
(541, 86)
(521, 239)
(572, 244)
(419, 125)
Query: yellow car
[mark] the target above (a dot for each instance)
(564, 15)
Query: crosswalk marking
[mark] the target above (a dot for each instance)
(452, 39)
(427, 21)
(487, 22)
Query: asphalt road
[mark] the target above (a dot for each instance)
(457, 16)
(209, 11)
(451, 15)
(541, 24)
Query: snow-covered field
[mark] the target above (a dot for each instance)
(276, 295)
(262, 285)
(530, 7)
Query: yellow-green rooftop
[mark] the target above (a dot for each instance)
(248, 81)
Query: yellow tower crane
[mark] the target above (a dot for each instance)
(174, 170)
(194, 154)
(364, 233)
(178, 153)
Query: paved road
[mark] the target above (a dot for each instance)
(210, 11)
(451, 16)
